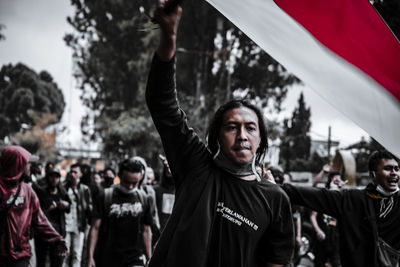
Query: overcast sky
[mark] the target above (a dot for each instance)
(34, 36)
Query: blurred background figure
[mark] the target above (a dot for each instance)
(55, 203)
(79, 216)
(165, 193)
(109, 176)
(325, 227)
(151, 176)
(97, 178)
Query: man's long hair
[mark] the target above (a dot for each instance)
(216, 123)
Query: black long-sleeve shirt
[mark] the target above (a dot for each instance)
(217, 219)
(350, 208)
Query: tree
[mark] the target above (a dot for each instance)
(296, 141)
(26, 95)
(112, 54)
(112, 51)
(389, 10)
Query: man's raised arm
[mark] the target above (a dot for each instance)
(169, 27)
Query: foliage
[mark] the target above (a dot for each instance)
(25, 96)
(389, 10)
(112, 56)
(296, 141)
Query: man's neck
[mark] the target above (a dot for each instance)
(129, 186)
(248, 177)
(53, 190)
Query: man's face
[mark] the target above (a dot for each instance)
(239, 136)
(387, 174)
(150, 176)
(54, 179)
(131, 179)
(27, 170)
(76, 174)
(109, 174)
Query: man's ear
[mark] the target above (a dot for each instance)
(372, 174)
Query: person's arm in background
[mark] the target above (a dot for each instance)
(317, 229)
(319, 199)
(325, 169)
(147, 241)
(298, 228)
(93, 237)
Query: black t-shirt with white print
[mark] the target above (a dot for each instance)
(120, 240)
(251, 220)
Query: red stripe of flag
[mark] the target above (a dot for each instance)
(353, 30)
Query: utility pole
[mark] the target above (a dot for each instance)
(329, 142)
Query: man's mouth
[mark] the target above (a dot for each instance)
(241, 148)
(393, 181)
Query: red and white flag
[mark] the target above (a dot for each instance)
(342, 50)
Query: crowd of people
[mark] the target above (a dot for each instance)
(95, 218)
(214, 206)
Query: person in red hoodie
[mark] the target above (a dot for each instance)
(20, 212)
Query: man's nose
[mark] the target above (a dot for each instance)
(242, 133)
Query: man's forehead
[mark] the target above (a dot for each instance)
(388, 162)
(240, 114)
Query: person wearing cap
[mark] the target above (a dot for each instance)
(224, 213)
(20, 212)
(367, 220)
(120, 234)
(55, 204)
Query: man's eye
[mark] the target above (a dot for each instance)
(250, 128)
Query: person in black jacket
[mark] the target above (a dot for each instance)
(357, 210)
(55, 203)
(224, 214)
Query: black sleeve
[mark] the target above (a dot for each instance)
(183, 148)
(279, 239)
(148, 218)
(99, 206)
(44, 199)
(65, 197)
(319, 199)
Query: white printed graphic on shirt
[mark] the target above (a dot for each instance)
(168, 203)
(125, 209)
(234, 217)
(18, 201)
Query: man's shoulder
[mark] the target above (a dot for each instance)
(83, 187)
(271, 188)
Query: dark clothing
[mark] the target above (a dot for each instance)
(327, 249)
(56, 216)
(15, 263)
(217, 219)
(357, 245)
(84, 204)
(57, 219)
(21, 218)
(120, 241)
(43, 249)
